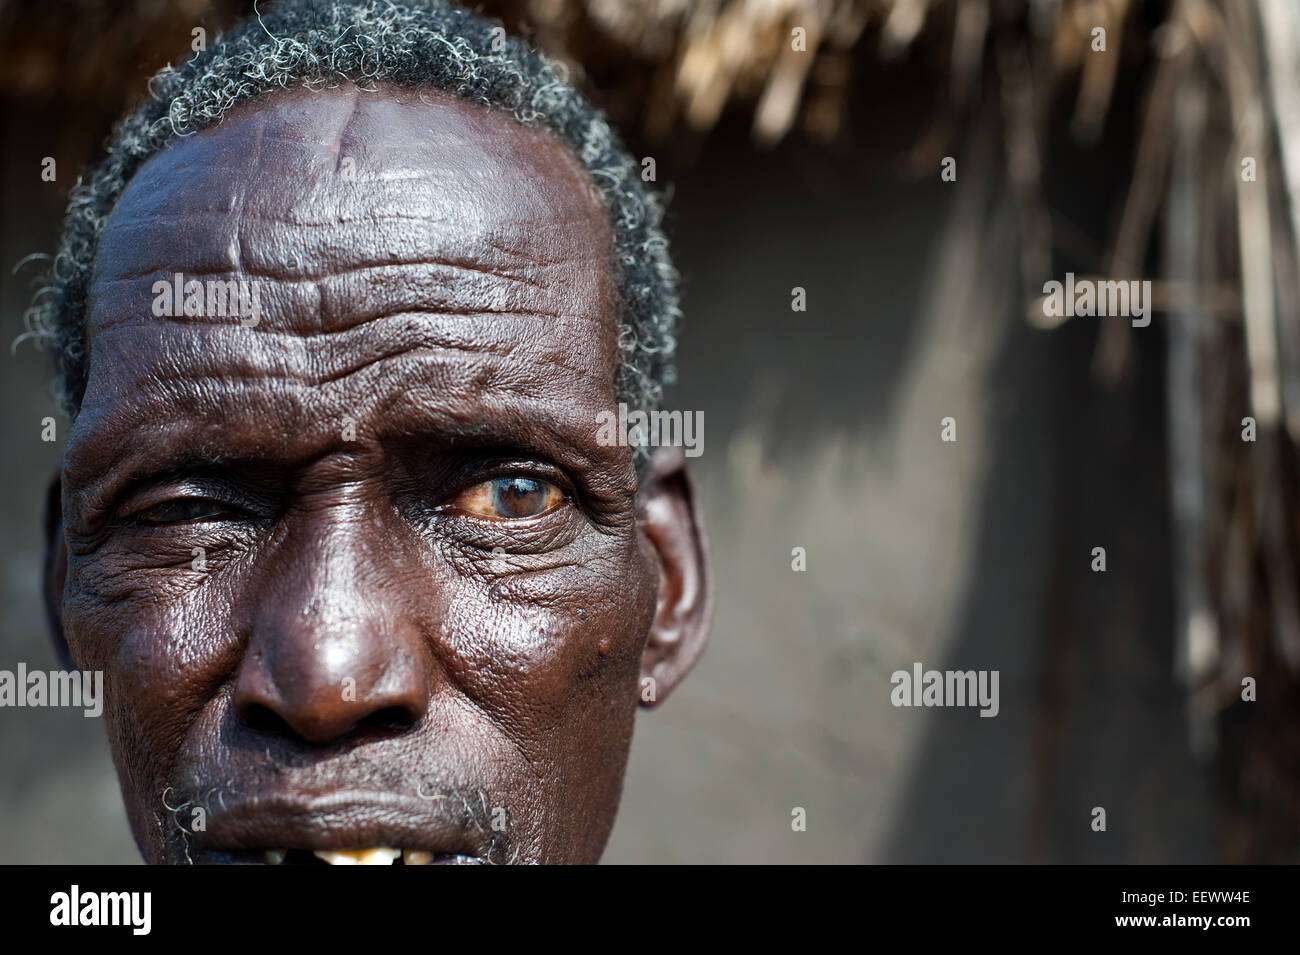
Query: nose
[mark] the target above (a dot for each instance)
(326, 654)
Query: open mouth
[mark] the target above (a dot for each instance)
(378, 855)
(342, 827)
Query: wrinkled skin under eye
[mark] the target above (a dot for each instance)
(510, 498)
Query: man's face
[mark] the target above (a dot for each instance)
(361, 574)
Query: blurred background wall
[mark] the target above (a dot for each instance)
(822, 428)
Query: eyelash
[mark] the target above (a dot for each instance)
(229, 509)
(140, 516)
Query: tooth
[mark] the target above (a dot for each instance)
(376, 856)
(274, 856)
(416, 857)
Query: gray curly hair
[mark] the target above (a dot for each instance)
(417, 43)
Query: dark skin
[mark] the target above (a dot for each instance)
(397, 485)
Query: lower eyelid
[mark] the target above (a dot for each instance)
(541, 533)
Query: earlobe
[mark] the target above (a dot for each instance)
(55, 570)
(672, 522)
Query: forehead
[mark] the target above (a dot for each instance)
(307, 183)
(406, 249)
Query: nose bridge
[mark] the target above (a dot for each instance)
(331, 642)
(317, 589)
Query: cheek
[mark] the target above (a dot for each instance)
(159, 664)
(554, 654)
(553, 661)
(160, 659)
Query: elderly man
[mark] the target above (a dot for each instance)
(337, 319)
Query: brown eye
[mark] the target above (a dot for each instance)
(186, 510)
(510, 498)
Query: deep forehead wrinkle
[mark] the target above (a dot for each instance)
(452, 184)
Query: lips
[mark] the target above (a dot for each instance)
(341, 828)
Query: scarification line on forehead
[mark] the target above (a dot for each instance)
(459, 128)
(371, 227)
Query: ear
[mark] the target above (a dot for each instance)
(671, 520)
(55, 571)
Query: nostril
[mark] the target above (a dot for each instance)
(390, 717)
(263, 719)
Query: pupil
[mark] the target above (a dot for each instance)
(519, 497)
